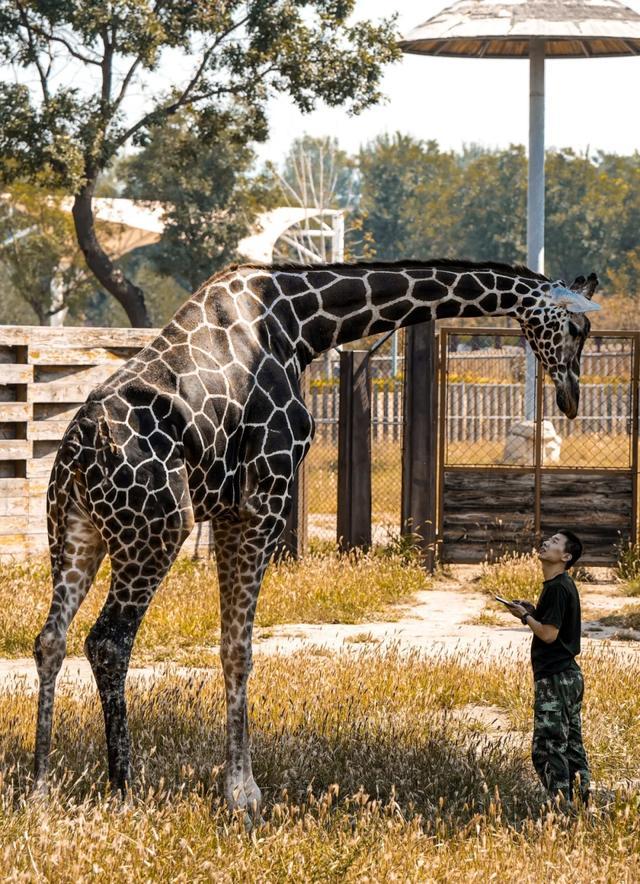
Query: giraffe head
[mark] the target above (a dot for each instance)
(556, 329)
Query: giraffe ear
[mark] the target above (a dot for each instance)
(573, 301)
(586, 287)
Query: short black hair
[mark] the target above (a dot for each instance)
(572, 545)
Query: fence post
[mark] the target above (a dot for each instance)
(354, 451)
(420, 438)
(293, 541)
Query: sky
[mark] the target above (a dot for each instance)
(591, 104)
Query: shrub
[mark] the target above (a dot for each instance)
(514, 576)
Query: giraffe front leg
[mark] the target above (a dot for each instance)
(240, 789)
(243, 551)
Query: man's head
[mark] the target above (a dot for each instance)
(561, 547)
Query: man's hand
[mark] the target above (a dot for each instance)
(530, 607)
(517, 610)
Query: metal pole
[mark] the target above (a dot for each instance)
(535, 195)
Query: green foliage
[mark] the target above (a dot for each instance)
(40, 253)
(225, 55)
(407, 187)
(628, 566)
(199, 167)
(419, 201)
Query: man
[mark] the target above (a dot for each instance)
(558, 753)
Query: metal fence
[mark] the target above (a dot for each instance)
(511, 470)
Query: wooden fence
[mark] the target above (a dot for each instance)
(45, 375)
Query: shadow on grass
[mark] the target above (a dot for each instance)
(428, 764)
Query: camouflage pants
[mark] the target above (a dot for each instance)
(557, 752)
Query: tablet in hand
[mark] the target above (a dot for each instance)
(506, 602)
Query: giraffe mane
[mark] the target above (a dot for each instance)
(462, 265)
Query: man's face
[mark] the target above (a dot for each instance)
(553, 550)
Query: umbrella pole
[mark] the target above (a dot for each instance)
(535, 195)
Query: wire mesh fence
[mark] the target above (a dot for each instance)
(386, 445)
(487, 422)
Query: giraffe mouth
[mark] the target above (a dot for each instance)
(568, 397)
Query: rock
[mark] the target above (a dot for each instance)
(518, 447)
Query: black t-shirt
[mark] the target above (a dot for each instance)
(559, 606)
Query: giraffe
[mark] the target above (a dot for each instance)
(208, 423)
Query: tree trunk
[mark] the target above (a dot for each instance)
(108, 275)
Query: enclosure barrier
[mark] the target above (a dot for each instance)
(375, 465)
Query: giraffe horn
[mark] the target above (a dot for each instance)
(572, 300)
(587, 286)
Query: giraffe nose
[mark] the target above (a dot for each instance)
(568, 397)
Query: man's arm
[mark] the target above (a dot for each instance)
(545, 631)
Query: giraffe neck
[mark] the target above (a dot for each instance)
(336, 304)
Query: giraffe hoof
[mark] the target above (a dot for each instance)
(39, 790)
(245, 799)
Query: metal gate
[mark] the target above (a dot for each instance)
(511, 471)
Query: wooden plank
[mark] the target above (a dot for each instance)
(80, 336)
(69, 388)
(13, 506)
(354, 451)
(14, 412)
(52, 430)
(16, 373)
(15, 449)
(14, 524)
(15, 335)
(14, 546)
(14, 487)
(419, 449)
(56, 355)
(40, 467)
(62, 411)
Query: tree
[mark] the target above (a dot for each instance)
(317, 173)
(492, 205)
(408, 190)
(39, 253)
(234, 53)
(200, 169)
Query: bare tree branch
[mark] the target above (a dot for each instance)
(34, 51)
(183, 99)
(52, 37)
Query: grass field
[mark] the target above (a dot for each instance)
(184, 616)
(369, 770)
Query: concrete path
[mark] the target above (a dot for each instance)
(442, 620)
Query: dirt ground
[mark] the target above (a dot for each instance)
(453, 616)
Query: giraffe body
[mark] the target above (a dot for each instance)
(208, 422)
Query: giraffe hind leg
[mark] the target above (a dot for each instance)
(73, 572)
(136, 574)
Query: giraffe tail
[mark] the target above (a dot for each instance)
(62, 490)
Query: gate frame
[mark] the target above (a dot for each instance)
(536, 468)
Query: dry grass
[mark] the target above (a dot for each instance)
(185, 613)
(514, 576)
(627, 618)
(366, 773)
(593, 450)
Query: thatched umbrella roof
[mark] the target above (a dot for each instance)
(485, 29)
